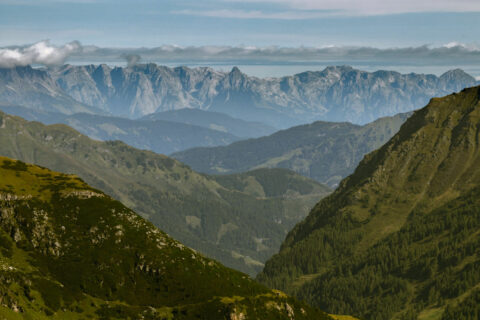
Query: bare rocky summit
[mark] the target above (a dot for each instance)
(337, 93)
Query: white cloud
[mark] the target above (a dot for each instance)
(375, 7)
(449, 54)
(467, 47)
(453, 53)
(39, 53)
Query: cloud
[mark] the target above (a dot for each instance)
(132, 59)
(39, 53)
(44, 53)
(374, 7)
(449, 54)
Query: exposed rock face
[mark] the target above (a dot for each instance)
(37, 90)
(334, 94)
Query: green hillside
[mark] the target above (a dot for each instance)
(69, 251)
(324, 151)
(241, 227)
(400, 237)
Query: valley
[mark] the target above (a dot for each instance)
(237, 219)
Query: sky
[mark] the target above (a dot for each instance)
(198, 27)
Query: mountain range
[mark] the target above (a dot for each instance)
(324, 151)
(35, 89)
(156, 135)
(238, 219)
(333, 94)
(215, 121)
(69, 251)
(399, 238)
(188, 128)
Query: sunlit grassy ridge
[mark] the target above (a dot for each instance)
(399, 238)
(36, 182)
(68, 251)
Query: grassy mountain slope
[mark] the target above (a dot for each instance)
(324, 151)
(241, 228)
(215, 121)
(68, 251)
(399, 238)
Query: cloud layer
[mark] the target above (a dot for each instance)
(257, 14)
(373, 7)
(39, 53)
(452, 53)
(44, 53)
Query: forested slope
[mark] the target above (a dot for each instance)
(400, 237)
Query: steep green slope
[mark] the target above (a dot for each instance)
(241, 228)
(324, 151)
(400, 238)
(68, 251)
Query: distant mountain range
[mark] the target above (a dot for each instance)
(238, 219)
(400, 237)
(215, 121)
(334, 94)
(68, 251)
(187, 128)
(35, 89)
(159, 136)
(324, 151)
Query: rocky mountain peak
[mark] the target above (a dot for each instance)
(452, 77)
(19, 72)
(235, 70)
(236, 78)
(338, 93)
